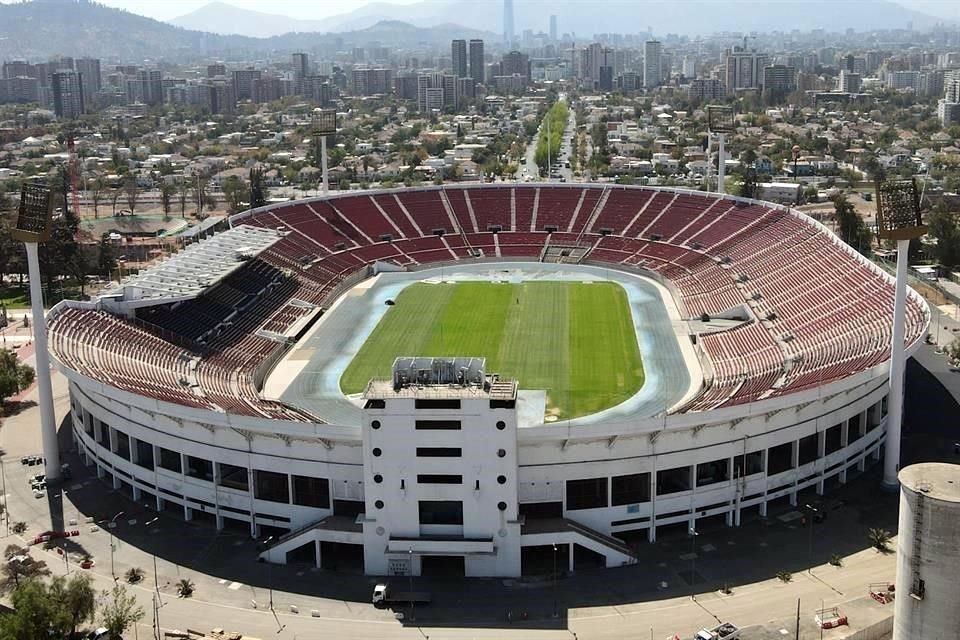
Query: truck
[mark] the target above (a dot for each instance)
(383, 595)
(723, 631)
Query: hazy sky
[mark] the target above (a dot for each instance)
(166, 9)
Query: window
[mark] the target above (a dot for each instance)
(101, 434)
(311, 492)
(501, 479)
(448, 512)
(753, 462)
(170, 460)
(437, 425)
(673, 480)
(233, 477)
(439, 478)
(377, 452)
(630, 489)
(271, 486)
(808, 448)
(439, 452)
(375, 424)
(436, 404)
(501, 425)
(590, 493)
(713, 472)
(200, 468)
(833, 439)
(144, 454)
(780, 458)
(121, 444)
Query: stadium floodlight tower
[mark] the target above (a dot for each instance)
(324, 124)
(898, 218)
(721, 122)
(34, 221)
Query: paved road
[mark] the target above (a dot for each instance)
(530, 168)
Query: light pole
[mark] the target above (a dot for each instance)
(156, 577)
(555, 612)
(812, 510)
(693, 562)
(410, 575)
(110, 525)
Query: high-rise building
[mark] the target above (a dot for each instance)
(553, 29)
(652, 66)
(508, 23)
(19, 69)
(706, 89)
(458, 56)
(301, 70)
(369, 81)
(429, 92)
(245, 84)
(89, 70)
(605, 79)
(779, 81)
(19, 89)
(216, 70)
(477, 68)
(515, 63)
(67, 94)
(849, 82)
(744, 69)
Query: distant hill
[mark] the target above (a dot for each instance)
(587, 17)
(43, 28)
(223, 18)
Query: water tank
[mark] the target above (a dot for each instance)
(928, 553)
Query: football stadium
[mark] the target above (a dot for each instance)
(460, 380)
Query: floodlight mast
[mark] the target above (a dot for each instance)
(33, 226)
(324, 124)
(720, 121)
(898, 218)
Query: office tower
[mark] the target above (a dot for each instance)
(744, 69)
(218, 69)
(67, 94)
(508, 22)
(369, 81)
(652, 50)
(477, 70)
(245, 84)
(849, 82)
(89, 70)
(605, 79)
(301, 70)
(19, 69)
(515, 63)
(706, 89)
(458, 54)
(553, 29)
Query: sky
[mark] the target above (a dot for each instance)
(312, 9)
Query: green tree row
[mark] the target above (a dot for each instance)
(548, 146)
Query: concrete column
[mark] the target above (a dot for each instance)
(795, 462)
(48, 424)
(821, 464)
(652, 531)
(891, 462)
(290, 490)
(733, 515)
(254, 527)
(187, 512)
(217, 518)
(317, 547)
(570, 565)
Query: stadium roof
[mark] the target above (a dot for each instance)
(196, 268)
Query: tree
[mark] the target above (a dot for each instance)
(75, 599)
(19, 566)
(119, 610)
(851, 227)
(33, 613)
(167, 191)
(185, 587)
(183, 194)
(114, 198)
(234, 192)
(96, 195)
(131, 190)
(749, 188)
(879, 539)
(944, 225)
(258, 192)
(106, 260)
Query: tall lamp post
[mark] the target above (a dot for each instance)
(898, 218)
(812, 512)
(110, 525)
(720, 120)
(693, 562)
(324, 124)
(34, 225)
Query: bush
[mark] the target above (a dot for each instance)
(879, 539)
(134, 575)
(784, 576)
(19, 527)
(836, 560)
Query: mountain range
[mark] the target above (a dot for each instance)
(582, 17)
(43, 28)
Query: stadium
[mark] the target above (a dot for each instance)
(463, 379)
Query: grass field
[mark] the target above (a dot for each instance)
(575, 340)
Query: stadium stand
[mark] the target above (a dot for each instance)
(816, 311)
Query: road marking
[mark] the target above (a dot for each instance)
(234, 586)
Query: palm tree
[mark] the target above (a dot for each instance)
(879, 538)
(185, 588)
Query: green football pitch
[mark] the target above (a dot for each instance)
(575, 340)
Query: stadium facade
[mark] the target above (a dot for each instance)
(168, 375)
